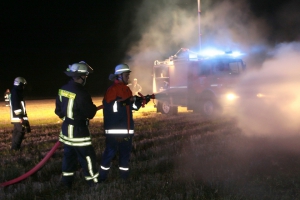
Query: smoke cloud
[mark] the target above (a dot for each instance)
(276, 110)
(166, 26)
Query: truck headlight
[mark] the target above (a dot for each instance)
(260, 95)
(231, 96)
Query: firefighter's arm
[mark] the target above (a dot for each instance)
(100, 107)
(58, 110)
(127, 101)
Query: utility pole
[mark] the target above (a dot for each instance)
(199, 23)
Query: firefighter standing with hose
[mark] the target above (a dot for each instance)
(74, 105)
(18, 114)
(118, 104)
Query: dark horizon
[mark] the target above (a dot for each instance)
(40, 40)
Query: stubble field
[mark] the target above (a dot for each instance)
(173, 157)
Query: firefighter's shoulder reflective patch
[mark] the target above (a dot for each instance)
(67, 94)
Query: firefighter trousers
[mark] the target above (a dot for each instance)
(86, 157)
(17, 136)
(113, 145)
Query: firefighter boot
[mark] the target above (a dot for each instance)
(102, 175)
(124, 174)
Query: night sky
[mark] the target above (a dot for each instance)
(40, 39)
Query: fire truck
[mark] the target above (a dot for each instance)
(202, 83)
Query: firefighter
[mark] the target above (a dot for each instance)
(18, 114)
(75, 107)
(6, 97)
(135, 87)
(118, 104)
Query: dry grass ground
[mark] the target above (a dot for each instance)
(173, 157)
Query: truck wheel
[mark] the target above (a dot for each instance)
(207, 108)
(165, 108)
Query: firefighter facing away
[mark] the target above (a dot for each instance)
(75, 107)
(18, 114)
(118, 104)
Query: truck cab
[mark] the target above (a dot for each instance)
(202, 84)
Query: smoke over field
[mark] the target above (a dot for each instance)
(276, 109)
(163, 27)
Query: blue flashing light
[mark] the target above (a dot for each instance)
(215, 52)
(211, 52)
(236, 54)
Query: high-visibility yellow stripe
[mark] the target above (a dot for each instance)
(17, 112)
(70, 108)
(94, 178)
(23, 106)
(70, 131)
(67, 94)
(82, 139)
(71, 96)
(78, 144)
(90, 169)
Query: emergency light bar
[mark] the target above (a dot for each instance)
(216, 52)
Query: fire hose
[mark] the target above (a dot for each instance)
(145, 98)
(33, 170)
(55, 147)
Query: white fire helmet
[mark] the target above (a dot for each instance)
(19, 80)
(121, 68)
(78, 69)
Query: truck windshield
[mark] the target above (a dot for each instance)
(235, 67)
(220, 67)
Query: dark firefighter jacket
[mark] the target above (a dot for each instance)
(117, 110)
(74, 105)
(17, 105)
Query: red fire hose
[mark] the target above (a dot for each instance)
(39, 165)
(33, 170)
(152, 96)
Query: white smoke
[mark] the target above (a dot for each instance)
(166, 26)
(277, 111)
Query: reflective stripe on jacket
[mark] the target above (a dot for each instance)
(75, 106)
(17, 105)
(118, 118)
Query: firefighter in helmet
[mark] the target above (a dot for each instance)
(75, 107)
(118, 104)
(18, 114)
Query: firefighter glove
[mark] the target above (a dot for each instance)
(147, 98)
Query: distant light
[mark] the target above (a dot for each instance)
(231, 96)
(259, 95)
